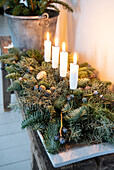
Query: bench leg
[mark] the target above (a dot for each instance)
(6, 95)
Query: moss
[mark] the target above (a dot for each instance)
(83, 82)
(85, 64)
(83, 74)
(45, 84)
(59, 103)
(78, 93)
(26, 76)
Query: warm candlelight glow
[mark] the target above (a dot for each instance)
(56, 42)
(63, 46)
(47, 49)
(47, 36)
(75, 58)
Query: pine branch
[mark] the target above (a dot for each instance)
(46, 3)
(52, 130)
(29, 122)
(13, 76)
(76, 132)
(2, 2)
(74, 115)
(14, 51)
(63, 4)
(11, 69)
(53, 6)
(14, 87)
(5, 56)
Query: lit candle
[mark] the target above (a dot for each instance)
(74, 73)
(55, 54)
(47, 49)
(75, 58)
(63, 61)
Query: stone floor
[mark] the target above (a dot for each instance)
(14, 142)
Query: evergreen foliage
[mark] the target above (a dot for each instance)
(16, 86)
(35, 7)
(87, 113)
(51, 131)
(13, 75)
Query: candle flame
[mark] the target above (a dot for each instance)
(56, 41)
(75, 58)
(63, 46)
(47, 36)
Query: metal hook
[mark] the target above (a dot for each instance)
(44, 21)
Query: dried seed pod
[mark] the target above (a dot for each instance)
(30, 69)
(72, 96)
(62, 141)
(95, 92)
(87, 88)
(56, 138)
(48, 93)
(52, 89)
(68, 98)
(20, 79)
(65, 130)
(36, 87)
(84, 100)
(42, 87)
(41, 75)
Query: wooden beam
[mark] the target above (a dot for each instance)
(5, 41)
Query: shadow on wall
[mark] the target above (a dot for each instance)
(95, 35)
(66, 26)
(72, 20)
(89, 30)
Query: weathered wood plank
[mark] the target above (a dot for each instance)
(5, 41)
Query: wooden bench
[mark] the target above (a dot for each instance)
(40, 159)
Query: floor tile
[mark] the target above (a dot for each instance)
(10, 117)
(13, 155)
(18, 139)
(1, 107)
(12, 128)
(23, 165)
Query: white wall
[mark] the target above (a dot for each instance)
(90, 31)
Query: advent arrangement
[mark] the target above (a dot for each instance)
(65, 101)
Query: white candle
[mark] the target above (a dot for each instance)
(55, 54)
(47, 49)
(63, 61)
(74, 73)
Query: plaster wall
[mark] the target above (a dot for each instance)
(89, 30)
